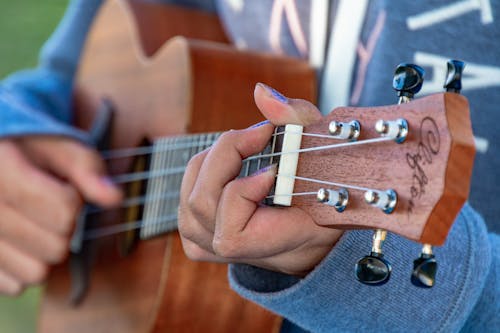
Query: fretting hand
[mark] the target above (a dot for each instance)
(221, 218)
(43, 183)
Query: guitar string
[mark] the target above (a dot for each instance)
(148, 150)
(324, 182)
(119, 228)
(166, 172)
(143, 175)
(135, 201)
(95, 233)
(127, 226)
(145, 150)
(166, 220)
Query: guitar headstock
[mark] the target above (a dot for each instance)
(403, 168)
(429, 171)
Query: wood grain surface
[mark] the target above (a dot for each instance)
(430, 171)
(163, 86)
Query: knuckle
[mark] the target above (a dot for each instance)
(226, 248)
(228, 137)
(196, 160)
(230, 189)
(58, 251)
(13, 289)
(186, 230)
(199, 206)
(37, 273)
(194, 252)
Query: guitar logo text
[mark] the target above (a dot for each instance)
(427, 148)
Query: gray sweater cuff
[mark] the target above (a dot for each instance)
(330, 299)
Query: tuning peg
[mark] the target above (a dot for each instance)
(340, 130)
(408, 80)
(453, 82)
(373, 269)
(424, 268)
(385, 200)
(397, 129)
(337, 199)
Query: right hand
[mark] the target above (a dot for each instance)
(44, 181)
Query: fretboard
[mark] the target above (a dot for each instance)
(169, 158)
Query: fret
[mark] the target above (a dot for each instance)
(273, 144)
(247, 168)
(259, 160)
(169, 159)
(150, 192)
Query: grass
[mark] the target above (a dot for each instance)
(24, 26)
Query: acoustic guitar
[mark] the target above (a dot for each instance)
(402, 168)
(155, 82)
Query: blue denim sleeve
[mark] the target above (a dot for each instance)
(38, 101)
(330, 299)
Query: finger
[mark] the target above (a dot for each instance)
(30, 238)
(190, 229)
(20, 266)
(221, 165)
(8, 285)
(194, 252)
(40, 197)
(281, 110)
(242, 223)
(80, 165)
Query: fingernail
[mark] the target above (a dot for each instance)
(270, 168)
(108, 182)
(265, 122)
(275, 93)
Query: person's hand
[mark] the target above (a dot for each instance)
(43, 183)
(221, 218)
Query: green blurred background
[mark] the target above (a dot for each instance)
(24, 26)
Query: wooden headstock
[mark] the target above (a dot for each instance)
(430, 171)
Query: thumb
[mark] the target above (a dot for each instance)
(281, 110)
(77, 164)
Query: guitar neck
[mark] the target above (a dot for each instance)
(168, 160)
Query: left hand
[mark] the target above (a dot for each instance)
(221, 218)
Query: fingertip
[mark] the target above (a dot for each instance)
(101, 190)
(281, 110)
(257, 186)
(112, 194)
(9, 286)
(272, 104)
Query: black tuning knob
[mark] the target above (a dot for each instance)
(424, 271)
(373, 269)
(408, 79)
(453, 82)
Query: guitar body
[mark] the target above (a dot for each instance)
(161, 85)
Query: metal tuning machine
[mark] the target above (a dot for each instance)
(407, 81)
(453, 81)
(374, 269)
(346, 131)
(396, 129)
(425, 266)
(337, 199)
